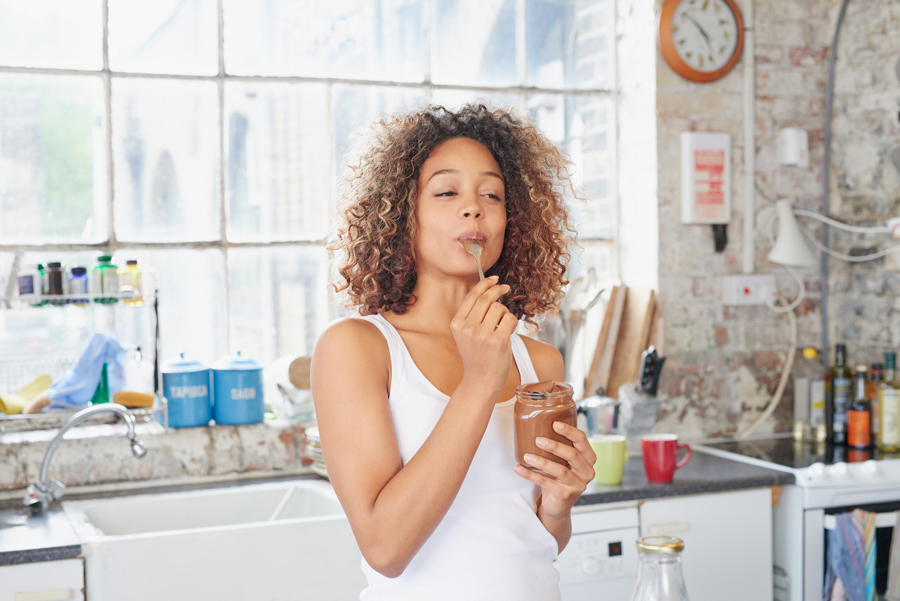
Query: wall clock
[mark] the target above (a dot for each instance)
(701, 39)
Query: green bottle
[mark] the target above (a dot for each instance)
(101, 395)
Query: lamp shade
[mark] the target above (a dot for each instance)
(790, 248)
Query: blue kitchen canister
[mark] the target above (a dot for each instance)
(237, 382)
(186, 388)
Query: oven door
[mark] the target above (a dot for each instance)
(817, 524)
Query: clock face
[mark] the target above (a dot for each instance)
(704, 33)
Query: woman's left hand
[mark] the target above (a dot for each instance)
(561, 485)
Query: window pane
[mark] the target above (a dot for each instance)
(166, 157)
(583, 126)
(570, 43)
(354, 39)
(62, 34)
(191, 300)
(453, 99)
(164, 36)
(52, 159)
(278, 178)
(355, 106)
(470, 50)
(278, 300)
(594, 261)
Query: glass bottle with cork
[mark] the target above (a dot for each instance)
(888, 437)
(859, 414)
(838, 399)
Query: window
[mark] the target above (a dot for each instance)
(208, 145)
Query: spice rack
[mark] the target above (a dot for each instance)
(19, 369)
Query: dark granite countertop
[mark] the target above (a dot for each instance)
(702, 474)
(45, 537)
(49, 536)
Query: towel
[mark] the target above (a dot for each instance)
(77, 386)
(893, 588)
(850, 573)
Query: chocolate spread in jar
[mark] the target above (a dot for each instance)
(538, 405)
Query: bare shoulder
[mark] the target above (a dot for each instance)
(348, 347)
(546, 358)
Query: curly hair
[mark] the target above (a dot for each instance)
(378, 233)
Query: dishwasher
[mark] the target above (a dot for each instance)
(601, 560)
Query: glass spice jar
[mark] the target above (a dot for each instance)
(538, 405)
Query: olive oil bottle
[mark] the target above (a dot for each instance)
(838, 397)
(888, 438)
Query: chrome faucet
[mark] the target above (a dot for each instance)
(39, 496)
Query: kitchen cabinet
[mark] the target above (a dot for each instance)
(43, 581)
(727, 542)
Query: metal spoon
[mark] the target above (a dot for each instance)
(474, 248)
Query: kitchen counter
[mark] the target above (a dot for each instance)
(45, 537)
(49, 536)
(702, 474)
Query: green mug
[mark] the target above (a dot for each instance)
(612, 453)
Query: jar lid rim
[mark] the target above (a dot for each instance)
(660, 544)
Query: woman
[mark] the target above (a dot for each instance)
(415, 399)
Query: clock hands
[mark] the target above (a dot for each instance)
(702, 31)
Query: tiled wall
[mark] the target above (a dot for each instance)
(724, 362)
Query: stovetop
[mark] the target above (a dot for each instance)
(787, 453)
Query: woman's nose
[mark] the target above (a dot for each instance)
(471, 207)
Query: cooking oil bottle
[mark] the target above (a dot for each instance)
(888, 438)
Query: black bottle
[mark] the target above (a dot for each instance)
(838, 400)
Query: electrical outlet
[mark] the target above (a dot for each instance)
(748, 289)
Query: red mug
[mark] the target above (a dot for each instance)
(661, 456)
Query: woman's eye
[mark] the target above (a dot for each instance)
(446, 193)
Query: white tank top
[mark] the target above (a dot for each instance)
(490, 544)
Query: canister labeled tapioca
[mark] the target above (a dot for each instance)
(538, 405)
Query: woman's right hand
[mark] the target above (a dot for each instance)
(481, 328)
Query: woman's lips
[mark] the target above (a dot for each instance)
(476, 236)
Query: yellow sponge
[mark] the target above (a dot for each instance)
(134, 399)
(39, 385)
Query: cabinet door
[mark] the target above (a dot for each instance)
(727, 542)
(43, 581)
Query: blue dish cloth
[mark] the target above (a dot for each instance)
(77, 386)
(850, 573)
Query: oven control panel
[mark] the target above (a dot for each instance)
(597, 556)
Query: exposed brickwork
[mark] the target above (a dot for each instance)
(724, 362)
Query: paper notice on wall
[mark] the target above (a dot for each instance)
(709, 179)
(705, 177)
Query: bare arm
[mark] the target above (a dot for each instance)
(394, 508)
(559, 492)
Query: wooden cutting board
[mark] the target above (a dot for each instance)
(634, 330)
(601, 364)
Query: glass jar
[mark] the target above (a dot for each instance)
(104, 279)
(131, 280)
(78, 284)
(659, 571)
(538, 405)
(55, 282)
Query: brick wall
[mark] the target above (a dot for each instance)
(724, 362)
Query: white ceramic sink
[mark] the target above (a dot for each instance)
(261, 541)
(201, 509)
